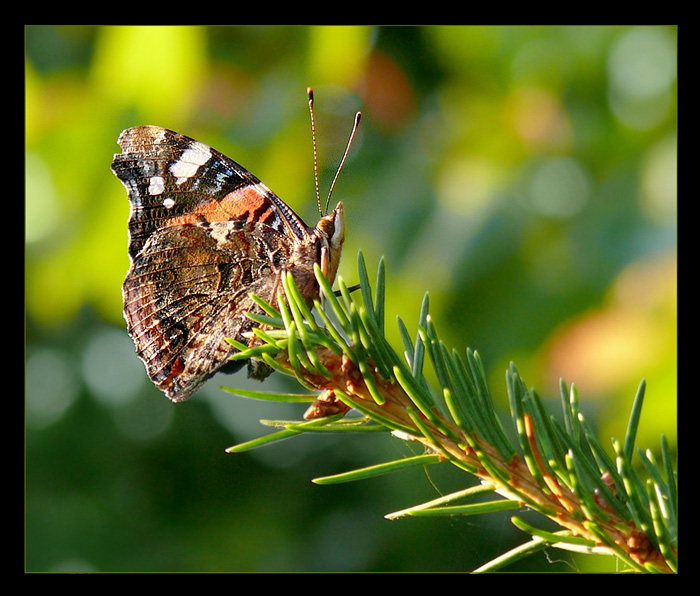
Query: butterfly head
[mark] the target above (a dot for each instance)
(331, 229)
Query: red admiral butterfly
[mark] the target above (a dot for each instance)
(204, 233)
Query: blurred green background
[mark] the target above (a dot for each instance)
(524, 176)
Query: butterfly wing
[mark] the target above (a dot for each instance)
(188, 290)
(203, 233)
(172, 179)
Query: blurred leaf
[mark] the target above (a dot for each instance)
(337, 53)
(157, 69)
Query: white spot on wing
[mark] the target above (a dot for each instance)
(156, 185)
(168, 203)
(197, 154)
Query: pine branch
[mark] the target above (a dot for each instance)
(559, 470)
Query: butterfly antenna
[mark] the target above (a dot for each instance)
(310, 93)
(347, 150)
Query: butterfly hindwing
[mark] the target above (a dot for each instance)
(189, 290)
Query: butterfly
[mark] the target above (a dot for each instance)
(204, 233)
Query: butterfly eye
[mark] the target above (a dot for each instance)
(327, 226)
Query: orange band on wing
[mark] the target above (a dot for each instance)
(243, 203)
